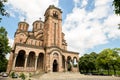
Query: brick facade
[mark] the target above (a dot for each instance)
(44, 48)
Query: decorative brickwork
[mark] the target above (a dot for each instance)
(44, 48)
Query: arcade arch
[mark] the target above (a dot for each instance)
(40, 61)
(31, 59)
(20, 60)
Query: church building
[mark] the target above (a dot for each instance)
(43, 49)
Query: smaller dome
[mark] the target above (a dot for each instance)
(38, 25)
(23, 26)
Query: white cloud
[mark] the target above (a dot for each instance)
(85, 30)
(80, 3)
(31, 10)
(7, 56)
(84, 3)
(102, 2)
(11, 42)
(112, 21)
(76, 1)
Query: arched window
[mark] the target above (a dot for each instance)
(55, 14)
(19, 26)
(69, 63)
(36, 26)
(40, 25)
(31, 42)
(75, 62)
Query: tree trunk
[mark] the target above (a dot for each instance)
(108, 71)
(114, 70)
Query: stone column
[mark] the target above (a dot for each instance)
(25, 64)
(77, 65)
(65, 65)
(10, 63)
(14, 62)
(36, 59)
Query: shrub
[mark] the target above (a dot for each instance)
(12, 74)
(30, 75)
(22, 76)
(75, 65)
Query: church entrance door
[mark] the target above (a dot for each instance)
(55, 66)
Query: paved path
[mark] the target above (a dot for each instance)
(5, 78)
(73, 76)
(8, 78)
(66, 76)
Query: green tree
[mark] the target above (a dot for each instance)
(113, 59)
(3, 63)
(108, 59)
(83, 64)
(116, 4)
(2, 9)
(103, 61)
(118, 51)
(87, 63)
(92, 59)
(4, 48)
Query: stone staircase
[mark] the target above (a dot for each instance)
(71, 76)
(58, 76)
(38, 75)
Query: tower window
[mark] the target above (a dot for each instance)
(19, 26)
(31, 42)
(20, 40)
(24, 26)
(55, 14)
(36, 26)
(40, 26)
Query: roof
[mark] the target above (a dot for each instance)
(52, 7)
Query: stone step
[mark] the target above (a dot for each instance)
(72, 76)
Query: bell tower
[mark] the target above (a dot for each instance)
(53, 27)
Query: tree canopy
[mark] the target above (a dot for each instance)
(4, 48)
(116, 4)
(3, 12)
(107, 59)
(87, 62)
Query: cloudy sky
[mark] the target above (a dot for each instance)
(89, 25)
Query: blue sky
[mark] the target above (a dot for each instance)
(89, 25)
